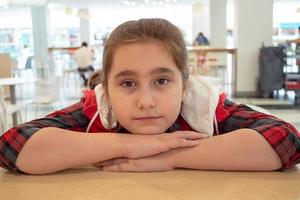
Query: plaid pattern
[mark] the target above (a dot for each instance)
(283, 137)
(12, 142)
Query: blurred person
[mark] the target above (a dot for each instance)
(84, 58)
(201, 40)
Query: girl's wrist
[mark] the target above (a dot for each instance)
(170, 159)
(122, 141)
(171, 163)
(127, 144)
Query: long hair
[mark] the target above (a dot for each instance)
(143, 30)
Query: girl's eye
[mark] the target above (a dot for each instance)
(162, 81)
(128, 84)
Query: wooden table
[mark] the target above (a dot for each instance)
(202, 50)
(12, 82)
(94, 184)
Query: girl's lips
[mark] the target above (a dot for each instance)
(147, 118)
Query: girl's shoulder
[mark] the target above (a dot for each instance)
(223, 109)
(89, 103)
(89, 108)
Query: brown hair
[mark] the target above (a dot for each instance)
(144, 30)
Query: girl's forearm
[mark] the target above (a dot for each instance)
(53, 149)
(243, 149)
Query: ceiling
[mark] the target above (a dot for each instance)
(90, 3)
(93, 3)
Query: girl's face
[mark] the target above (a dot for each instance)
(145, 88)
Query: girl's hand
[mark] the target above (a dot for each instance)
(148, 145)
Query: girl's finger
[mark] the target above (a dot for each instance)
(110, 162)
(192, 135)
(187, 143)
(179, 142)
(121, 167)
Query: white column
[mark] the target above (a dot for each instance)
(252, 28)
(200, 19)
(40, 28)
(84, 25)
(217, 16)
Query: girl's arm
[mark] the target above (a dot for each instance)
(14, 139)
(250, 140)
(53, 149)
(242, 149)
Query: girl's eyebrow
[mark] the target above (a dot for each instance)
(125, 73)
(162, 70)
(159, 70)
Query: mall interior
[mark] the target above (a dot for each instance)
(252, 53)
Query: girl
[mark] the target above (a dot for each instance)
(145, 93)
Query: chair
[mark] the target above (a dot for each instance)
(67, 75)
(26, 70)
(70, 76)
(47, 94)
(6, 111)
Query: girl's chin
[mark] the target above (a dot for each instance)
(147, 131)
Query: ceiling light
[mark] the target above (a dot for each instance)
(4, 3)
(147, 2)
(127, 3)
(28, 2)
(53, 6)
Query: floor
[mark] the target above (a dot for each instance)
(68, 90)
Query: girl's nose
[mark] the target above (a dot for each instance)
(146, 99)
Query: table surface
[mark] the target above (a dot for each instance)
(92, 183)
(16, 81)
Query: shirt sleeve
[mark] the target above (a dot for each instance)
(282, 136)
(13, 140)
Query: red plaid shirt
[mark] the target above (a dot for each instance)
(283, 137)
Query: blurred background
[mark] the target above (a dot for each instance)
(250, 50)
